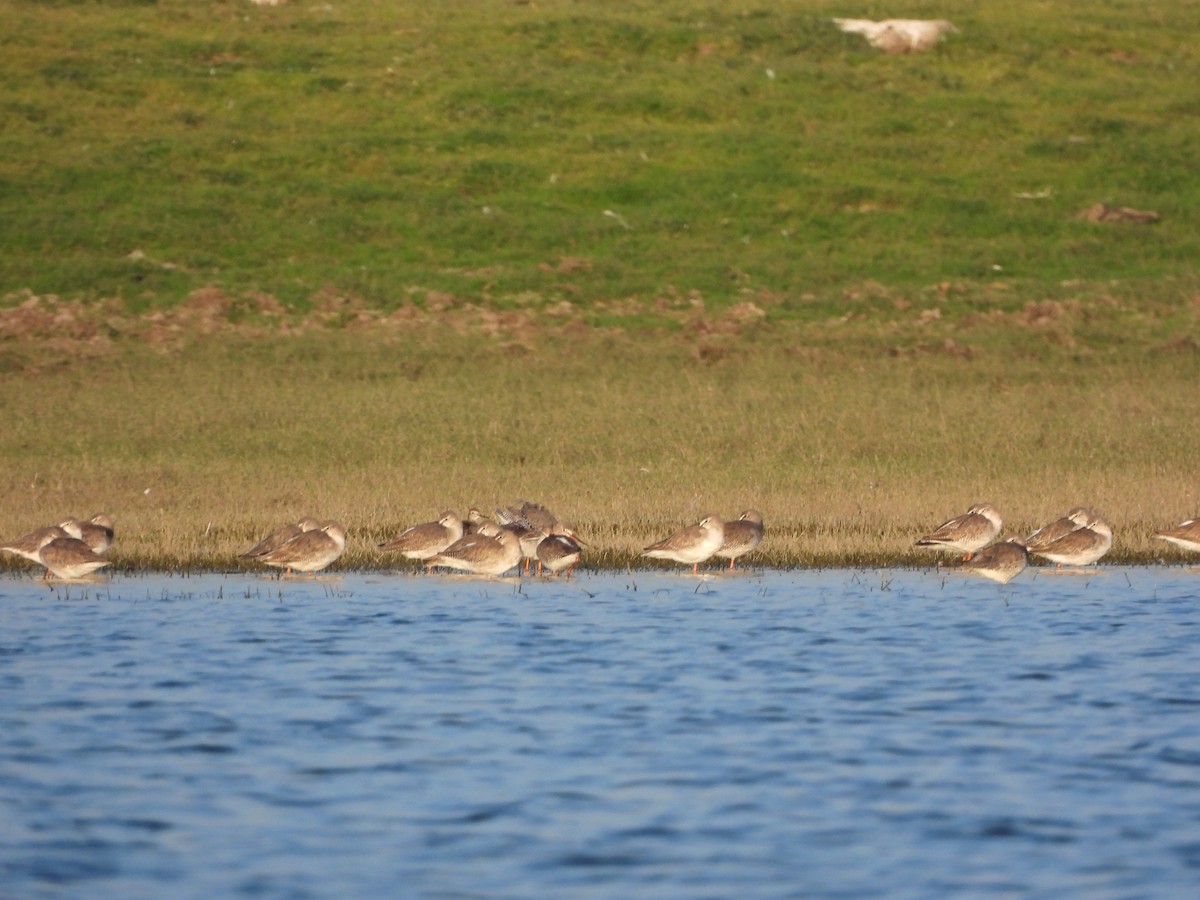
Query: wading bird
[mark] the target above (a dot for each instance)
(425, 541)
(965, 534)
(69, 557)
(310, 551)
(1081, 547)
(742, 536)
(999, 562)
(491, 550)
(1048, 534)
(692, 545)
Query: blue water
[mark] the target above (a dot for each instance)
(816, 734)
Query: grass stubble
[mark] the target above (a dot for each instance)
(198, 451)
(639, 262)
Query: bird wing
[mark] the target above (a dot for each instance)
(416, 537)
(273, 541)
(951, 528)
(470, 546)
(1048, 534)
(1078, 541)
(685, 537)
(302, 547)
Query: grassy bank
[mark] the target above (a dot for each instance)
(849, 455)
(639, 261)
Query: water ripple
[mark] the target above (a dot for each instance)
(824, 734)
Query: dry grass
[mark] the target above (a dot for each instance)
(850, 445)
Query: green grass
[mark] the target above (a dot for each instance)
(393, 149)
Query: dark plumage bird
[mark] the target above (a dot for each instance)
(559, 550)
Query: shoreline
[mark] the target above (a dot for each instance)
(184, 568)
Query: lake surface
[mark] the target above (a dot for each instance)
(818, 734)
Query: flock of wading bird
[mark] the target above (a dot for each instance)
(529, 532)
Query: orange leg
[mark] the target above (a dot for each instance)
(731, 564)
